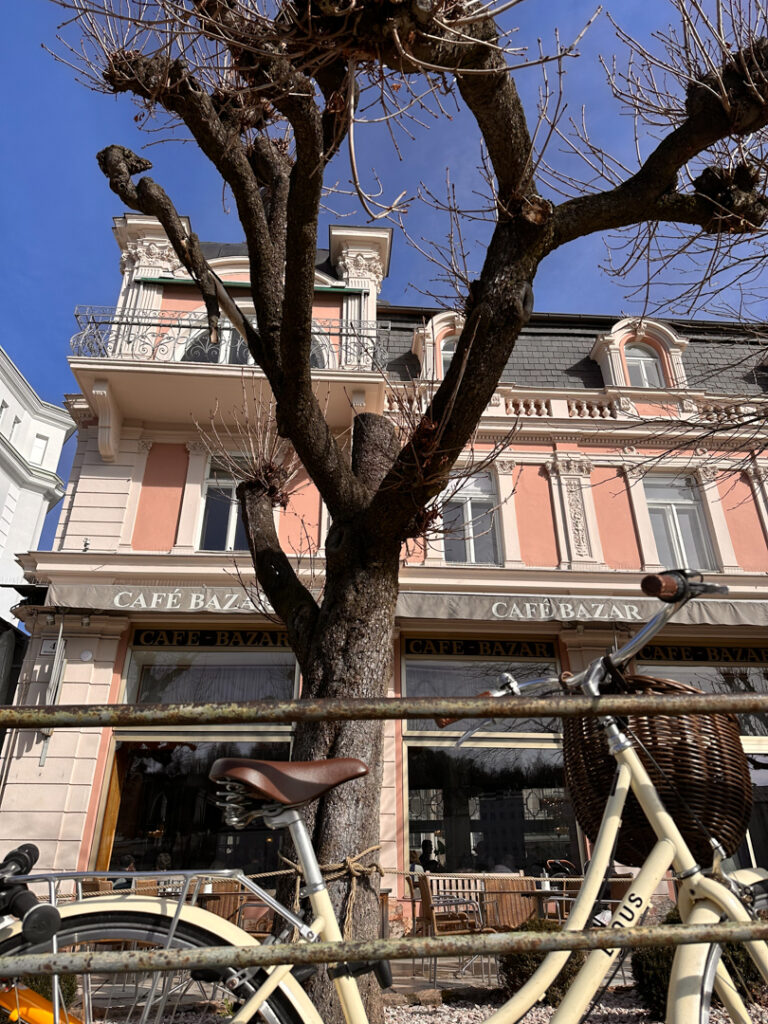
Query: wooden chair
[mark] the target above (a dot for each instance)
(451, 915)
(225, 898)
(506, 905)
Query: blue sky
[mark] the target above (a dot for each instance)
(56, 209)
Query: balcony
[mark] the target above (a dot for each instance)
(178, 336)
(146, 368)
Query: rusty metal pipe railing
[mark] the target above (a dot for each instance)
(337, 709)
(127, 961)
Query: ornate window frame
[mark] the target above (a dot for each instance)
(666, 343)
(428, 342)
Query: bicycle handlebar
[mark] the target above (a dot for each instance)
(39, 921)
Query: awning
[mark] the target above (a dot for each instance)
(487, 608)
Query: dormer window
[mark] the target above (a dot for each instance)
(643, 366)
(640, 353)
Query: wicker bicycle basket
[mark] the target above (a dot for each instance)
(700, 757)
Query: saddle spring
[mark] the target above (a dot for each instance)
(238, 806)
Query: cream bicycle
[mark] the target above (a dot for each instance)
(275, 791)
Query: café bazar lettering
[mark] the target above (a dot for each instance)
(583, 610)
(519, 609)
(185, 600)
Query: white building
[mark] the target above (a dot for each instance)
(32, 433)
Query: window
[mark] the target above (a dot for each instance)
(677, 520)
(161, 797)
(39, 447)
(482, 807)
(643, 366)
(166, 808)
(231, 347)
(470, 523)
(448, 350)
(718, 669)
(451, 677)
(223, 528)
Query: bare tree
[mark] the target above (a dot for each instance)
(269, 90)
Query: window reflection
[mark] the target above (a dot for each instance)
(454, 678)
(486, 809)
(211, 678)
(719, 679)
(166, 808)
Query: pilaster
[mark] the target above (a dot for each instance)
(505, 469)
(713, 508)
(192, 499)
(143, 448)
(638, 502)
(578, 537)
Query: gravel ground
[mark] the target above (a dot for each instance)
(617, 1007)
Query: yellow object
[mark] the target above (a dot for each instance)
(27, 1007)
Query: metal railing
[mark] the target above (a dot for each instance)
(158, 716)
(356, 709)
(176, 336)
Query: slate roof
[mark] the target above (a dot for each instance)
(553, 352)
(553, 349)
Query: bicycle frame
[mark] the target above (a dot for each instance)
(701, 899)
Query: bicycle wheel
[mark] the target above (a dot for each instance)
(695, 973)
(174, 997)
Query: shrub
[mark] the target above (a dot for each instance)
(652, 966)
(41, 983)
(516, 968)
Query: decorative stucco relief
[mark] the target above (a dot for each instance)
(145, 255)
(358, 265)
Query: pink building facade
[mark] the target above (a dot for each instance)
(615, 469)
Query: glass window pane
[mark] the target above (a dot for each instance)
(653, 373)
(200, 350)
(218, 505)
(454, 537)
(238, 350)
(695, 547)
(166, 808)
(668, 488)
(484, 533)
(635, 371)
(482, 809)
(196, 678)
(665, 545)
(240, 542)
(718, 679)
(452, 678)
(448, 350)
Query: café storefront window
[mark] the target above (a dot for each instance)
(498, 802)
(716, 668)
(489, 808)
(167, 818)
(160, 807)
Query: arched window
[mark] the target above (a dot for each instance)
(231, 347)
(643, 366)
(448, 350)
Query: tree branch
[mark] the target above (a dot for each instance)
(285, 592)
(650, 194)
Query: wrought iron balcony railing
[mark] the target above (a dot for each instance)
(176, 336)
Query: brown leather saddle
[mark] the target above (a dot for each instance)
(288, 782)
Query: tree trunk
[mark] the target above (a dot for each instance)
(351, 656)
